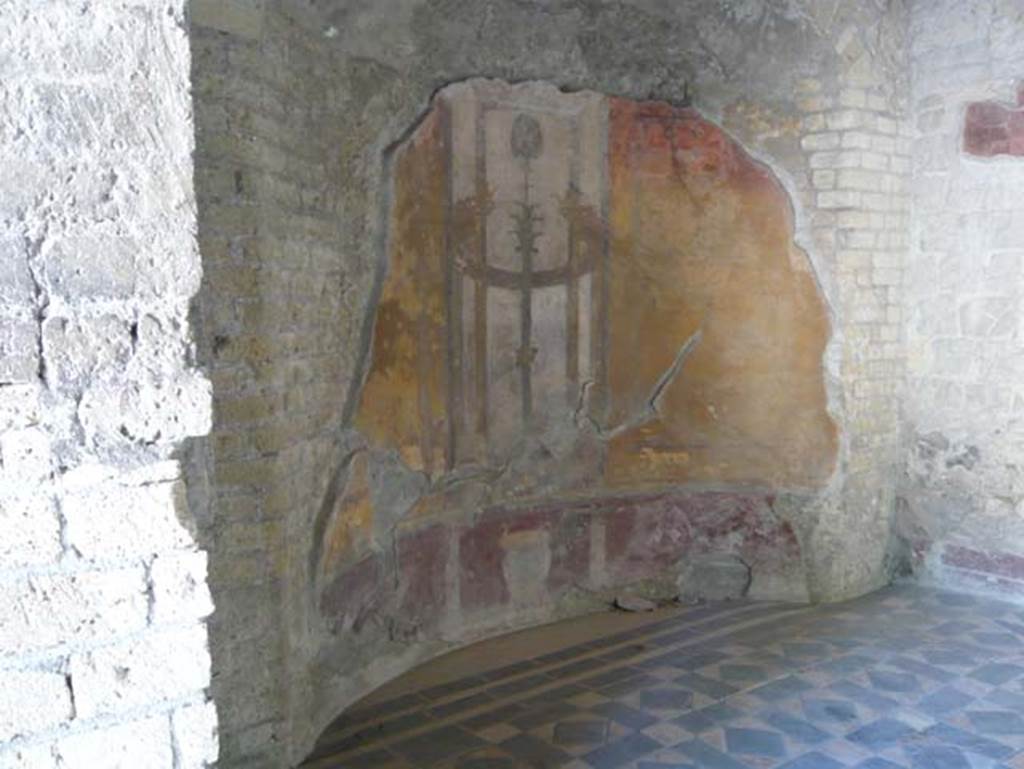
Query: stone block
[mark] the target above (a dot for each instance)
(820, 141)
(159, 666)
(16, 285)
(158, 410)
(90, 267)
(111, 520)
(824, 179)
(32, 701)
(179, 588)
(19, 405)
(854, 179)
(19, 351)
(143, 744)
(31, 530)
(28, 757)
(25, 459)
(195, 735)
(77, 351)
(839, 199)
(47, 611)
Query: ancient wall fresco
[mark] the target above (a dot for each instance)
(511, 562)
(702, 244)
(586, 298)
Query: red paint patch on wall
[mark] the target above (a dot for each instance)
(353, 597)
(991, 571)
(991, 128)
(481, 576)
(998, 564)
(423, 558)
(646, 536)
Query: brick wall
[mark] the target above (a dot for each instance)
(281, 316)
(295, 111)
(103, 644)
(961, 512)
(856, 146)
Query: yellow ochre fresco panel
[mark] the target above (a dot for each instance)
(702, 241)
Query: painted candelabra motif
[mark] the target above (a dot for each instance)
(521, 265)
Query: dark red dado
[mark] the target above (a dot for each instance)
(506, 559)
(992, 128)
(991, 569)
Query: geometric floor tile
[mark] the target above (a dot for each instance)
(906, 678)
(881, 734)
(755, 742)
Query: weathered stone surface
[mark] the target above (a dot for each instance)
(112, 520)
(47, 611)
(31, 530)
(714, 578)
(178, 587)
(634, 603)
(141, 743)
(97, 238)
(33, 701)
(195, 734)
(959, 517)
(163, 666)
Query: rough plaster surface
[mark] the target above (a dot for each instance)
(962, 497)
(297, 105)
(103, 643)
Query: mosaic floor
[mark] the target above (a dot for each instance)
(905, 678)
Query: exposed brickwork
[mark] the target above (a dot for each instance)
(281, 327)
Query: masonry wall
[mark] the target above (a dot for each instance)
(103, 599)
(961, 512)
(281, 316)
(297, 106)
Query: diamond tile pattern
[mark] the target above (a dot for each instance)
(907, 678)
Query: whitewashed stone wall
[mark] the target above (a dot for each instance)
(964, 485)
(103, 644)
